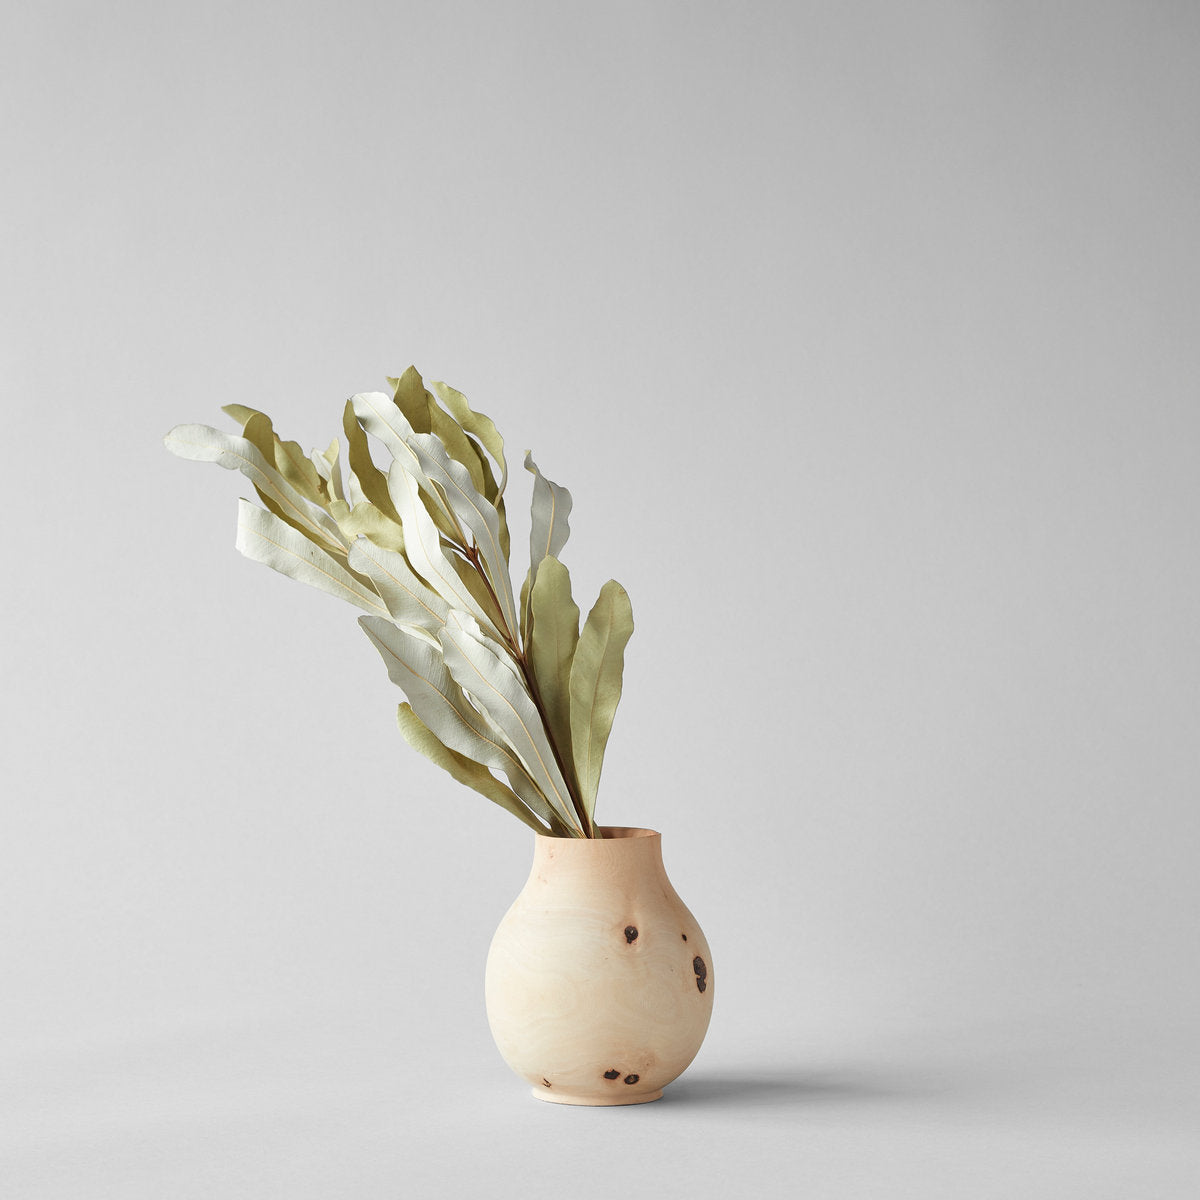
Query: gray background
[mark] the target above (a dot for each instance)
(866, 339)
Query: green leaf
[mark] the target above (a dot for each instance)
(465, 770)
(555, 634)
(596, 684)
(262, 536)
(492, 680)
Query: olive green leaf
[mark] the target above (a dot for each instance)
(476, 424)
(425, 415)
(411, 398)
(554, 635)
(240, 413)
(290, 460)
(432, 418)
(596, 684)
(288, 457)
(526, 620)
(465, 770)
(364, 474)
(262, 536)
(364, 518)
(202, 443)
(490, 678)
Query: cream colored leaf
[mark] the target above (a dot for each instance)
(416, 666)
(263, 537)
(407, 598)
(201, 443)
(475, 513)
(465, 770)
(329, 467)
(492, 490)
(548, 529)
(483, 670)
(551, 507)
(423, 546)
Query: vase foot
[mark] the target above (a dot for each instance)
(553, 1096)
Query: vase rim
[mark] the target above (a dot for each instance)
(612, 833)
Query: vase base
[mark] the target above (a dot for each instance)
(551, 1096)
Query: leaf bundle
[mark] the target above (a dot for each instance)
(508, 696)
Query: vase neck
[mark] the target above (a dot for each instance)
(622, 853)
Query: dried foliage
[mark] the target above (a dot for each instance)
(507, 694)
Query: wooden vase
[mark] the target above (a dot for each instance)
(599, 981)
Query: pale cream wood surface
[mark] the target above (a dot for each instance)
(599, 981)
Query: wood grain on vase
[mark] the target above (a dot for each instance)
(599, 981)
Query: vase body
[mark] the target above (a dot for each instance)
(599, 981)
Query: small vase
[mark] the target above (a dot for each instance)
(599, 981)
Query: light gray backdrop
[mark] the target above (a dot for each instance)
(865, 337)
